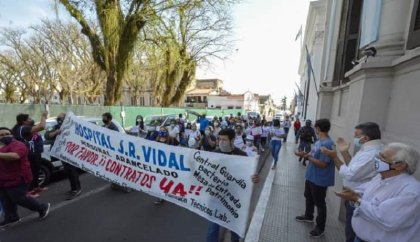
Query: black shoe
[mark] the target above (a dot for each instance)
(316, 232)
(303, 218)
(300, 159)
(44, 213)
(74, 194)
(6, 224)
(304, 163)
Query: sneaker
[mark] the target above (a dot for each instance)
(159, 202)
(74, 194)
(5, 224)
(303, 218)
(316, 232)
(44, 213)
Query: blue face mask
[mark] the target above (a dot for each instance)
(6, 140)
(163, 133)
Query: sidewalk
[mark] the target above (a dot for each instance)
(286, 201)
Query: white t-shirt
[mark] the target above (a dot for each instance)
(250, 151)
(238, 142)
(192, 142)
(256, 130)
(265, 131)
(174, 132)
(276, 132)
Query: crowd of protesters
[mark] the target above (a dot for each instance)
(382, 197)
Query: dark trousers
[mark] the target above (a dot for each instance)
(350, 235)
(263, 141)
(315, 196)
(11, 197)
(304, 146)
(35, 161)
(73, 176)
(213, 234)
(286, 131)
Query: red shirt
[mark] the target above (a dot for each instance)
(297, 125)
(13, 171)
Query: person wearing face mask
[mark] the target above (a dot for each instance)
(26, 131)
(208, 141)
(194, 137)
(15, 175)
(174, 130)
(305, 137)
(239, 141)
(107, 120)
(276, 133)
(388, 206)
(227, 147)
(358, 169)
(249, 147)
(138, 128)
(69, 170)
(163, 137)
(217, 128)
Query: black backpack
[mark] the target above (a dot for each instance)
(306, 134)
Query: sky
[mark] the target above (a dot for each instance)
(266, 56)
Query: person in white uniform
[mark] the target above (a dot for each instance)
(359, 169)
(388, 206)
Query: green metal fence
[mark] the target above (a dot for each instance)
(8, 112)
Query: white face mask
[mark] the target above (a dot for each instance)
(225, 147)
(356, 142)
(380, 165)
(207, 132)
(249, 143)
(216, 124)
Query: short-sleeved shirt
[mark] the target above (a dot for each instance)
(35, 144)
(204, 123)
(323, 177)
(276, 132)
(12, 172)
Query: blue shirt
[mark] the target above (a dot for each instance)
(203, 124)
(323, 177)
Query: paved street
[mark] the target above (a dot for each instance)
(101, 214)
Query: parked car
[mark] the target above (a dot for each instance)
(158, 120)
(48, 166)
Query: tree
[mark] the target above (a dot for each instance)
(112, 47)
(191, 33)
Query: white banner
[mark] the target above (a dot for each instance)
(213, 185)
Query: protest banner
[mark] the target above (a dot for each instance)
(213, 185)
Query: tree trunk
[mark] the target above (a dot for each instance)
(110, 90)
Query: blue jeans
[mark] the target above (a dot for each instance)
(275, 149)
(213, 233)
(350, 235)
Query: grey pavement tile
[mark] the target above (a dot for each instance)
(287, 201)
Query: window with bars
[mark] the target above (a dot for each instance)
(413, 40)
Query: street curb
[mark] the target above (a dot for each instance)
(253, 234)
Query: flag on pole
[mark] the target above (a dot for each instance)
(299, 34)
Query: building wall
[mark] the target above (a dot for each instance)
(224, 102)
(382, 89)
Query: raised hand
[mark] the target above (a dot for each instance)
(342, 145)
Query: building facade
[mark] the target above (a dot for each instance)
(247, 101)
(369, 69)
